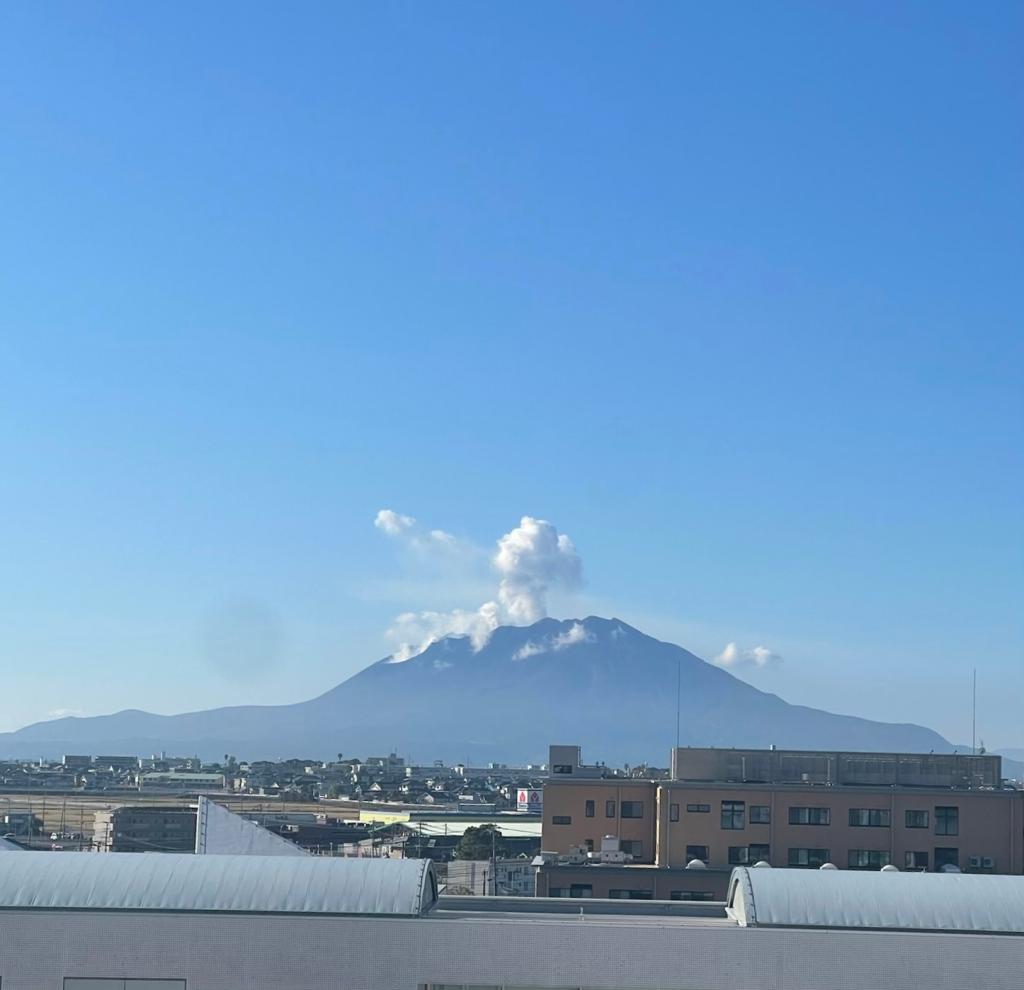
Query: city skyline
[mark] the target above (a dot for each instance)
(734, 314)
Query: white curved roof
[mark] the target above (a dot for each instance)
(184, 882)
(847, 899)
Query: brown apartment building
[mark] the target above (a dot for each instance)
(800, 809)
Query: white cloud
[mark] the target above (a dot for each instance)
(733, 658)
(65, 713)
(393, 523)
(530, 560)
(576, 633)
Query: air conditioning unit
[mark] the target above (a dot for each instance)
(975, 862)
(987, 862)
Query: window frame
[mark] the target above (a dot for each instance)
(736, 812)
(950, 815)
(824, 813)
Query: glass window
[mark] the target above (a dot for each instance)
(562, 768)
(630, 895)
(632, 809)
(870, 817)
(809, 859)
(946, 857)
(698, 809)
(947, 820)
(915, 860)
(561, 819)
(691, 895)
(810, 816)
(581, 890)
(733, 815)
(632, 847)
(760, 814)
(867, 859)
(609, 809)
(673, 812)
(589, 809)
(697, 852)
(915, 819)
(747, 855)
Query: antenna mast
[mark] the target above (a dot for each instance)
(974, 710)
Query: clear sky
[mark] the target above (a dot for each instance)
(729, 293)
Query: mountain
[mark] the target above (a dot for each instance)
(596, 682)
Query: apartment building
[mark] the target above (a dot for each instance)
(800, 809)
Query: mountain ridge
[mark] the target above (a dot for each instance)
(598, 682)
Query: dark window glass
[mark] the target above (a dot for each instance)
(562, 768)
(870, 817)
(589, 843)
(590, 809)
(747, 855)
(632, 847)
(699, 809)
(691, 895)
(947, 821)
(915, 819)
(915, 860)
(760, 814)
(632, 809)
(581, 890)
(561, 819)
(630, 895)
(609, 809)
(946, 857)
(733, 815)
(810, 816)
(868, 859)
(697, 852)
(673, 812)
(809, 859)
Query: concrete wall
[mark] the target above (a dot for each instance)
(258, 952)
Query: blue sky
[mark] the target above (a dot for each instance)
(729, 294)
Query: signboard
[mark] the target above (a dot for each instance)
(529, 799)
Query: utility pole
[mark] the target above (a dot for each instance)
(974, 711)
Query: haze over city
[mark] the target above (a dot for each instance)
(315, 325)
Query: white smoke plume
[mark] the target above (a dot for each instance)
(529, 561)
(733, 658)
(576, 633)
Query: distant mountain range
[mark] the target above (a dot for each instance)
(596, 682)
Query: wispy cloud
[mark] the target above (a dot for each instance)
(734, 658)
(65, 713)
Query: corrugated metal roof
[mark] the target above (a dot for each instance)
(946, 902)
(183, 882)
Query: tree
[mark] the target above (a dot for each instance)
(481, 842)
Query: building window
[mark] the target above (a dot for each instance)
(561, 819)
(589, 812)
(809, 859)
(733, 815)
(630, 895)
(946, 857)
(698, 809)
(810, 816)
(562, 768)
(632, 847)
(947, 821)
(691, 895)
(581, 890)
(760, 814)
(915, 860)
(697, 852)
(609, 809)
(870, 817)
(673, 812)
(868, 859)
(558, 891)
(589, 843)
(747, 855)
(915, 819)
(632, 809)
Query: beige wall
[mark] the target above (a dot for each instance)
(991, 823)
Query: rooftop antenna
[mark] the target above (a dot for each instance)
(679, 694)
(974, 710)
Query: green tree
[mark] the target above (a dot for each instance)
(481, 842)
